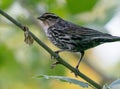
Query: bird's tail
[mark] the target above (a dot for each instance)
(112, 39)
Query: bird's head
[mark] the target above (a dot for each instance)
(49, 18)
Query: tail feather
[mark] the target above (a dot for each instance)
(111, 39)
(114, 38)
(105, 39)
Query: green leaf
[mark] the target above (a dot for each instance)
(78, 6)
(65, 79)
(4, 4)
(31, 3)
(115, 84)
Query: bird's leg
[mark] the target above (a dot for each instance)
(54, 64)
(52, 57)
(57, 52)
(80, 59)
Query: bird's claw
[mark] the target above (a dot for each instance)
(54, 64)
(76, 72)
(54, 57)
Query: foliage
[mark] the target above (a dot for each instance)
(113, 85)
(18, 62)
(4, 4)
(65, 79)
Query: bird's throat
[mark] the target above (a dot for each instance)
(44, 26)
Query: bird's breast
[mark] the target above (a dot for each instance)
(44, 26)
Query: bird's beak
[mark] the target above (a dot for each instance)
(40, 18)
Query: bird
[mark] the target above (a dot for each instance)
(71, 37)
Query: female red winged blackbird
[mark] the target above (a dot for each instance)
(70, 37)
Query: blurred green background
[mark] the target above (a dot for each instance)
(20, 63)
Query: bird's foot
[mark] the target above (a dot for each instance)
(54, 57)
(54, 64)
(76, 71)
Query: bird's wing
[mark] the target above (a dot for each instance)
(82, 31)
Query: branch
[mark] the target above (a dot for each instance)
(58, 58)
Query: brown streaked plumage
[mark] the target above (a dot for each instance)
(71, 37)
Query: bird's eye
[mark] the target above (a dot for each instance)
(50, 18)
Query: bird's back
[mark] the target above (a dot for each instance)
(69, 36)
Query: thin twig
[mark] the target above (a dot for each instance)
(58, 58)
